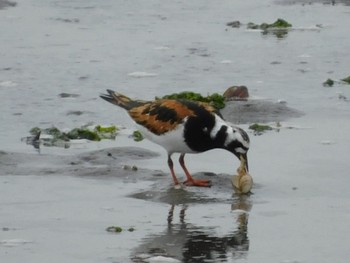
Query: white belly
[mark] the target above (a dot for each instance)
(173, 141)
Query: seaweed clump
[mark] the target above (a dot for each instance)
(56, 137)
(137, 135)
(328, 83)
(215, 99)
(279, 23)
(260, 128)
(118, 229)
(279, 28)
(331, 82)
(346, 80)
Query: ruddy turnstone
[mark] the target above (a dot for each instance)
(184, 126)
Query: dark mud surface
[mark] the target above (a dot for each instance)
(258, 111)
(106, 162)
(5, 3)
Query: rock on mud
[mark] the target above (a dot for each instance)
(236, 93)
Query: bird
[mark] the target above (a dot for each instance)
(183, 126)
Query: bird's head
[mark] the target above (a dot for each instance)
(238, 142)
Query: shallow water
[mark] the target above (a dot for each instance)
(54, 210)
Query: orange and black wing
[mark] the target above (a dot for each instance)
(164, 115)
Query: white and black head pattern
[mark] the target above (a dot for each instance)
(211, 131)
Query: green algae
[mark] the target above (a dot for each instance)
(260, 128)
(137, 135)
(346, 80)
(114, 229)
(215, 99)
(82, 133)
(328, 83)
(60, 138)
(279, 23)
(118, 229)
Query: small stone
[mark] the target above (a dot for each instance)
(236, 93)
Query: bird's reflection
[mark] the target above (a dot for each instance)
(187, 242)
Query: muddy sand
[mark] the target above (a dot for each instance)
(56, 203)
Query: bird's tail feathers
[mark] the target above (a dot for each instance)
(120, 100)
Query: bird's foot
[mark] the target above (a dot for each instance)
(198, 182)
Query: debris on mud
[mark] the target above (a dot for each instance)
(55, 137)
(118, 229)
(279, 28)
(234, 24)
(68, 20)
(328, 83)
(137, 136)
(130, 168)
(260, 128)
(346, 80)
(114, 229)
(279, 23)
(68, 95)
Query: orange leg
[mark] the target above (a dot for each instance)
(190, 180)
(171, 166)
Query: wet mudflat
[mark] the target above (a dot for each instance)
(56, 203)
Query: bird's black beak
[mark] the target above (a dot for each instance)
(244, 158)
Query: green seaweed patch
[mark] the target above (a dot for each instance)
(137, 135)
(279, 23)
(118, 229)
(279, 28)
(60, 138)
(260, 128)
(56, 134)
(83, 133)
(106, 132)
(35, 131)
(215, 99)
(346, 80)
(328, 83)
(114, 229)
